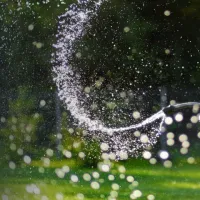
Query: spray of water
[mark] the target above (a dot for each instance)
(70, 90)
(72, 27)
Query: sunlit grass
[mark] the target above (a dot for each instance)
(181, 182)
(56, 163)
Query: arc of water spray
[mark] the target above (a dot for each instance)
(67, 80)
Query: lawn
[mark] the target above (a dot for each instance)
(180, 182)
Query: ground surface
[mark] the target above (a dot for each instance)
(181, 182)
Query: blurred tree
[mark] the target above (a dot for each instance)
(19, 135)
(28, 33)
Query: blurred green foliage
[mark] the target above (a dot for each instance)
(135, 45)
(93, 153)
(18, 137)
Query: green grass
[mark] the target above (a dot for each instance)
(181, 182)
